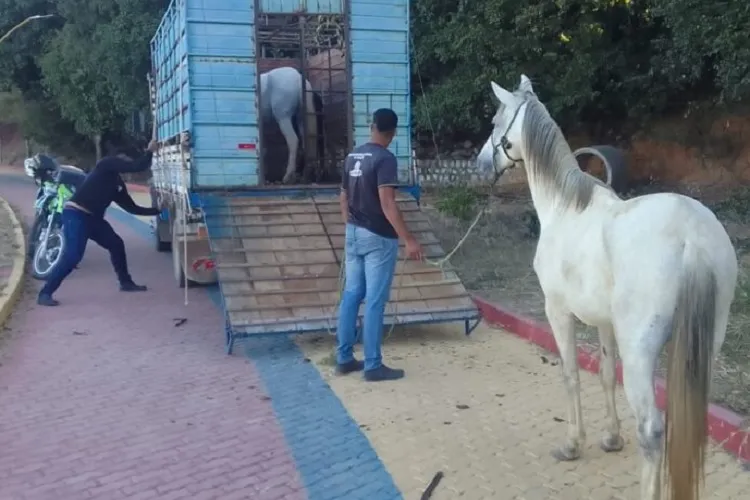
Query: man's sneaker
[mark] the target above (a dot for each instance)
(350, 367)
(132, 287)
(46, 300)
(383, 373)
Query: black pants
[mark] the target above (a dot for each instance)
(78, 228)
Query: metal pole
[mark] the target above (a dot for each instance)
(303, 103)
(259, 99)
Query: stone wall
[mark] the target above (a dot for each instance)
(707, 155)
(457, 167)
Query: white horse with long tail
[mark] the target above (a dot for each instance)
(289, 99)
(653, 271)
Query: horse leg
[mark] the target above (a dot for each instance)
(561, 322)
(612, 440)
(292, 143)
(639, 356)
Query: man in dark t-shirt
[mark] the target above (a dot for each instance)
(373, 226)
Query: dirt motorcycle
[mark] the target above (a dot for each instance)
(56, 185)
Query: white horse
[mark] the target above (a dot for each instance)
(644, 271)
(281, 94)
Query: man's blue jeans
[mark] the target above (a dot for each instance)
(370, 265)
(78, 228)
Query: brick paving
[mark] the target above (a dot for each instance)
(104, 397)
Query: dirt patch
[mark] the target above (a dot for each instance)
(12, 145)
(496, 263)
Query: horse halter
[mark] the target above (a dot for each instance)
(505, 144)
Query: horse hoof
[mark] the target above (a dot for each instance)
(612, 444)
(565, 454)
(288, 179)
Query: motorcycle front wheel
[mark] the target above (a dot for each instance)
(48, 256)
(35, 233)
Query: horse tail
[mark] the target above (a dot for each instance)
(689, 378)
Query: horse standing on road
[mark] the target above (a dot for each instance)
(289, 99)
(647, 272)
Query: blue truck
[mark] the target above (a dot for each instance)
(276, 249)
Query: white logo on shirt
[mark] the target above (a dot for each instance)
(356, 171)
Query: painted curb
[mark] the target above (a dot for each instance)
(727, 428)
(16, 279)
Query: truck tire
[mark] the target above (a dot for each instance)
(614, 164)
(177, 264)
(159, 244)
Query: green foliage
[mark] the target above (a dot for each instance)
(598, 64)
(459, 202)
(18, 67)
(706, 45)
(593, 62)
(81, 74)
(11, 107)
(96, 64)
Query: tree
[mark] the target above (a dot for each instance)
(96, 64)
(586, 57)
(38, 115)
(600, 64)
(18, 65)
(705, 50)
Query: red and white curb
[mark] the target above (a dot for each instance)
(727, 428)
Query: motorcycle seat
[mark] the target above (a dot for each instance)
(72, 168)
(70, 175)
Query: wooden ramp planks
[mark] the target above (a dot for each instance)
(278, 261)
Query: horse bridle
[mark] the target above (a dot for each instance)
(505, 144)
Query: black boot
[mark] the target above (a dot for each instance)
(352, 366)
(129, 286)
(383, 373)
(46, 299)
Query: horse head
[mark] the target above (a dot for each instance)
(502, 149)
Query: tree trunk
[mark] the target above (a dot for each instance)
(98, 146)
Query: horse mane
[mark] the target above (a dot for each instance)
(550, 160)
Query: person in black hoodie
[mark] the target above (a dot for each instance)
(83, 219)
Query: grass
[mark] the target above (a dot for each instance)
(459, 202)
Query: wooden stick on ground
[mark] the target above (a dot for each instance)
(431, 487)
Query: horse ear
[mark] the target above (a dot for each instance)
(502, 95)
(525, 84)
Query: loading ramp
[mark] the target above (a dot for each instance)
(278, 256)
